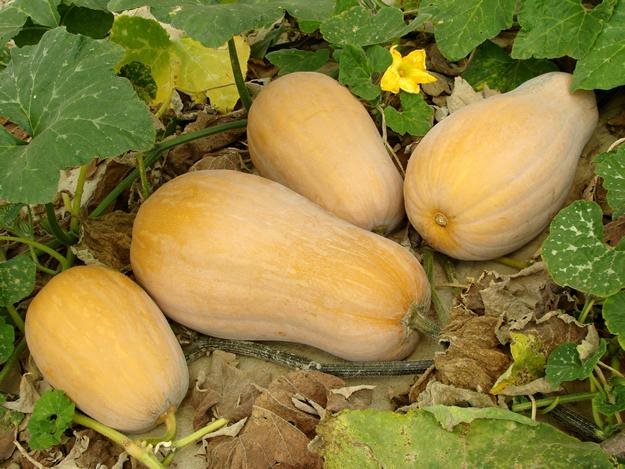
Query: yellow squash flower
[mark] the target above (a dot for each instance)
(406, 73)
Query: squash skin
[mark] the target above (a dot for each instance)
(489, 178)
(96, 335)
(238, 256)
(309, 133)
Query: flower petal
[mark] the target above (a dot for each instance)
(415, 59)
(390, 80)
(409, 86)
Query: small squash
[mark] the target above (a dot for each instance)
(309, 133)
(488, 179)
(238, 256)
(96, 335)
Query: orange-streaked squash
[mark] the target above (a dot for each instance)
(95, 334)
(238, 256)
(309, 133)
(488, 179)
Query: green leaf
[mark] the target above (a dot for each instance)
(90, 22)
(213, 24)
(414, 119)
(565, 364)
(611, 167)
(576, 255)
(461, 26)
(493, 438)
(11, 21)
(528, 362)
(17, 279)
(614, 401)
(92, 4)
(293, 60)
(555, 28)
(600, 68)
(51, 416)
(355, 72)
(360, 26)
(492, 66)
(379, 58)
(613, 311)
(182, 64)
(5, 56)
(42, 12)
(140, 76)
(64, 93)
(7, 340)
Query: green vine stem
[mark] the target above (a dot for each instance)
(596, 387)
(428, 266)
(246, 99)
(590, 301)
(510, 262)
(42, 247)
(548, 401)
(202, 344)
(152, 155)
(612, 369)
(16, 318)
(141, 454)
(13, 359)
(193, 438)
(76, 202)
(58, 232)
(143, 177)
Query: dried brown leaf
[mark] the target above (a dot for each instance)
(278, 431)
(182, 157)
(437, 393)
(28, 395)
(106, 240)
(614, 231)
(228, 158)
(352, 397)
(474, 358)
(223, 391)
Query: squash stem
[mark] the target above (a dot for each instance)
(153, 155)
(246, 99)
(16, 318)
(13, 359)
(42, 247)
(169, 419)
(142, 455)
(145, 186)
(510, 262)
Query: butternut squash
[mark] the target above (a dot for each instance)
(309, 133)
(238, 256)
(96, 335)
(489, 178)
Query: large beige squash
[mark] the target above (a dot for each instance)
(311, 134)
(238, 256)
(96, 335)
(489, 178)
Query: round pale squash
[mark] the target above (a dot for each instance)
(309, 133)
(238, 256)
(96, 335)
(488, 179)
